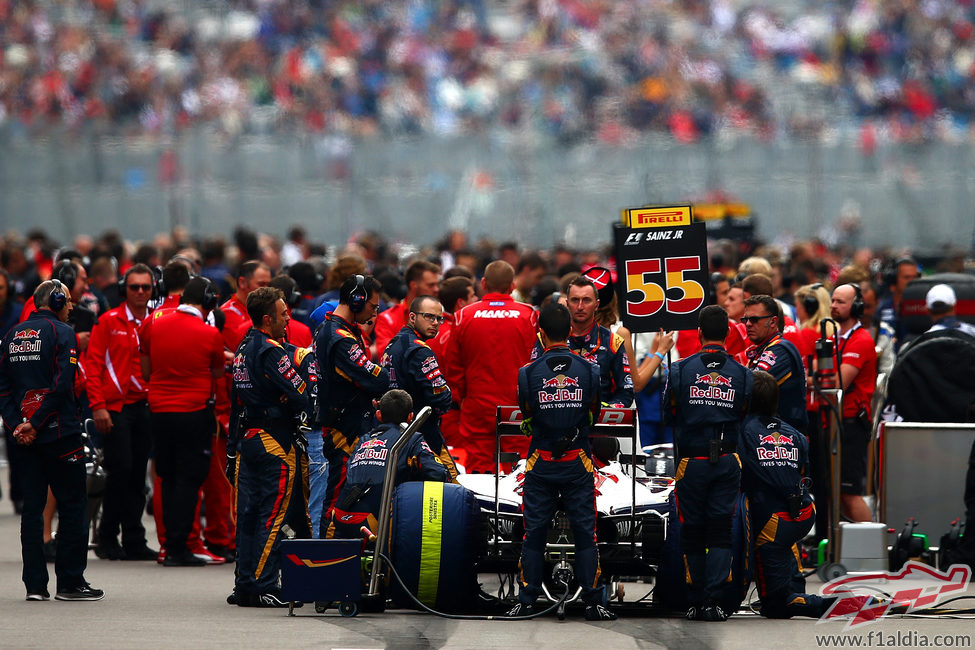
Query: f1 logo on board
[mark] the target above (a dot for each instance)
(916, 586)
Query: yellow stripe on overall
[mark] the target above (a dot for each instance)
(430, 538)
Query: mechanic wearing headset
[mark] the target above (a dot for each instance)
(348, 380)
(858, 379)
(38, 362)
(707, 394)
(413, 366)
(559, 396)
(264, 449)
(773, 457)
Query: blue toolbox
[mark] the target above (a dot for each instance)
(322, 571)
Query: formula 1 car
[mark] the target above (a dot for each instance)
(635, 512)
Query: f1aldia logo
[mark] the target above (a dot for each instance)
(916, 586)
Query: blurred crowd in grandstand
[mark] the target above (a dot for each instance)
(899, 70)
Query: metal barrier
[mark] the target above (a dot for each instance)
(500, 184)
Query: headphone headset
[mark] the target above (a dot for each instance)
(66, 274)
(358, 296)
(59, 297)
(157, 284)
(810, 302)
(890, 274)
(857, 306)
(211, 296)
(716, 277)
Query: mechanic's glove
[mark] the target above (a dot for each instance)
(231, 469)
(304, 427)
(526, 427)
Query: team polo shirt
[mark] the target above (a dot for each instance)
(182, 349)
(236, 324)
(857, 349)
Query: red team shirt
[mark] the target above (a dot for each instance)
(180, 334)
(234, 330)
(856, 348)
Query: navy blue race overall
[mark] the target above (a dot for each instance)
(773, 457)
(348, 382)
(559, 392)
(781, 359)
(38, 363)
(707, 394)
(360, 493)
(267, 396)
(413, 367)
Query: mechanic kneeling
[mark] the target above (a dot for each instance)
(361, 490)
(559, 396)
(773, 458)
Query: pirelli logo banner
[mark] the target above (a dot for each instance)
(662, 275)
(666, 216)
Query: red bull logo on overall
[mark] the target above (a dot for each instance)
(719, 387)
(27, 334)
(783, 447)
(566, 389)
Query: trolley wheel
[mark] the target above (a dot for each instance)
(291, 608)
(831, 571)
(348, 608)
(321, 606)
(561, 611)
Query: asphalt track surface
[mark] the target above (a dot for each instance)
(150, 606)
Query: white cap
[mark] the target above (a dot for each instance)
(941, 297)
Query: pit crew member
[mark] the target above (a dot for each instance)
(597, 344)
(559, 397)
(360, 493)
(858, 378)
(348, 380)
(707, 394)
(182, 357)
(38, 362)
(774, 456)
(118, 393)
(490, 341)
(267, 395)
(771, 352)
(413, 366)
